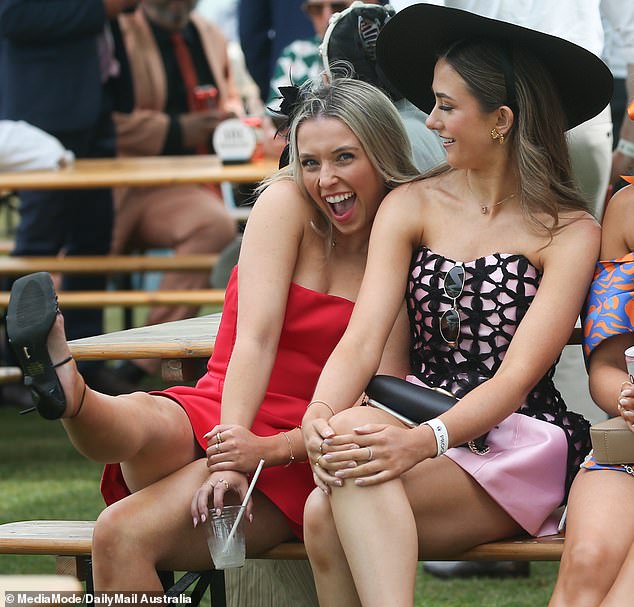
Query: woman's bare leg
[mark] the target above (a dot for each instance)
(333, 579)
(599, 535)
(153, 528)
(150, 434)
(434, 510)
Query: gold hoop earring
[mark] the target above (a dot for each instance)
(495, 134)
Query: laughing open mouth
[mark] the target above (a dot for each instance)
(341, 203)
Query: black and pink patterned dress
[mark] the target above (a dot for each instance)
(498, 289)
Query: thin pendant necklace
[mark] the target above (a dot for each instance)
(484, 209)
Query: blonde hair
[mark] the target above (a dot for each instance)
(369, 114)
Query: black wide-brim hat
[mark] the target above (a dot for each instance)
(410, 43)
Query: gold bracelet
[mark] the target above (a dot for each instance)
(291, 458)
(315, 402)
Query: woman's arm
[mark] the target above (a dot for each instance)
(380, 300)
(607, 370)
(268, 256)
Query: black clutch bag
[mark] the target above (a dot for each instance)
(413, 404)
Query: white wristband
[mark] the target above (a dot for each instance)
(626, 148)
(440, 432)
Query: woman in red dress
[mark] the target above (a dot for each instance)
(171, 454)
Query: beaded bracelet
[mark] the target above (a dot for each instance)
(291, 458)
(316, 402)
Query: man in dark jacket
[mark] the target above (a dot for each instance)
(57, 70)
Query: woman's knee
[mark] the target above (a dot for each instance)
(319, 526)
(585, 558)
(117, 535)
(345, 421)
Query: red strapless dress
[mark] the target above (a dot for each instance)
(313, 325)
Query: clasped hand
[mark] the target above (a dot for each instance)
(371, 454)
(626, 403)
(233, 447)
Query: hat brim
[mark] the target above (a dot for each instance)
(409, 45)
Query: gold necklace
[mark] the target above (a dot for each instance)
(484, 209)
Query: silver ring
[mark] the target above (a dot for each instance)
(370, 454)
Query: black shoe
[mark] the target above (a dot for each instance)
(462, 569)
(30, 316)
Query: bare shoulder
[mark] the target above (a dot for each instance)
(578, 237)
(282, 199)
(618, 222)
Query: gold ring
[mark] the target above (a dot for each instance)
(218, 438)
(224, 482)
(321, 447)
(317, 463)
(218, 447)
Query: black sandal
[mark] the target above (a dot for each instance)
(30, 316)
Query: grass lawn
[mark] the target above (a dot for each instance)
(41, 476)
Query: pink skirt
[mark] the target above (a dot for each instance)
(524, 470)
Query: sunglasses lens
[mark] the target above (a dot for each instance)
(450, 326)
(454, 282)
(337, 7)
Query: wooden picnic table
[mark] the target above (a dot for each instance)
(182, 345)
(138, 171)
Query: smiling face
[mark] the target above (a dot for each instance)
(464, 129)
(338, 174)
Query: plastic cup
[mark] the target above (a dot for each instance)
(226, 555)
(629, 362)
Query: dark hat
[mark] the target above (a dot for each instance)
(409, 45)
(351, 37)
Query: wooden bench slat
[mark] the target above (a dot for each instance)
(102, 299)
(75, 538)
(91, 264)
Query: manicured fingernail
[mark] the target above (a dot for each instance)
(352, 465)
(203, 517)
(339, 483)
(340, 473)
(327, 441)
(327, 457)
(195, 523)
(250, 518)
(218, 511)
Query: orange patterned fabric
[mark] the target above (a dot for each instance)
(609, 308)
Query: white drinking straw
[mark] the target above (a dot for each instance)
(244, 504)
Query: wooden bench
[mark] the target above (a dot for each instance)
(117, 264)
(102, 299)
(71, 543)
(106, 264)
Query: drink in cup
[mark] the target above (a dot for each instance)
(226, 555)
